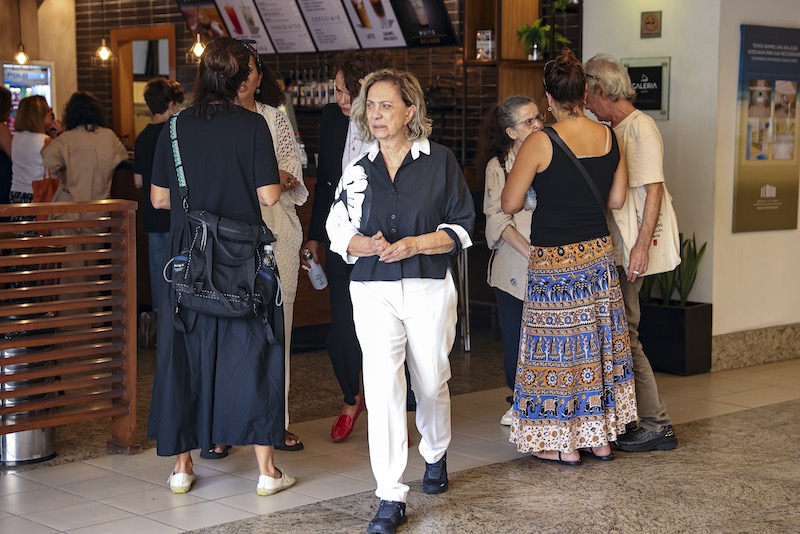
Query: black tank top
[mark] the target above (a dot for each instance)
(567, 211)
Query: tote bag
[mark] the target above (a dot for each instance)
(664, 254)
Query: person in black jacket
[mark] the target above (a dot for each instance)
(339, 143)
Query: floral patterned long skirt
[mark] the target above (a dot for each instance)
(574, 384)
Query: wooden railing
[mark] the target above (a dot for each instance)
(68, 317)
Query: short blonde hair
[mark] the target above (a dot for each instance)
(31, 113)
(611, 76)
(410, 92)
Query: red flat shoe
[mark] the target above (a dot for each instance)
(344, 424)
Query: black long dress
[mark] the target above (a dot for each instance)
(221, 382)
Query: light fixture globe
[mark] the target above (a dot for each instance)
(21, 57)
(104, 52)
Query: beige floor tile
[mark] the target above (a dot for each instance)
(136, 462)
(17, 484)
(19, 525)
(159, 474)
(149, 501)
(760, 397)
(77, 515)
(296, 469)
(37, 501)
(111, 486)
(255, 504)
(221, 486)
(331, 486)
(65, 474)
(129, 525)
(489, 452)
(342, 461)
(197, 516)
(365, 474)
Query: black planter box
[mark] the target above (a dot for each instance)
(677, 339)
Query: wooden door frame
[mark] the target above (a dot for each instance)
(122, 71)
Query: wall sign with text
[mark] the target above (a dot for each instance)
(650, 79)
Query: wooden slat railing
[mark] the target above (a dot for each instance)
(68, 317)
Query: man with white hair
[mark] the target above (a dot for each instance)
(610, 96)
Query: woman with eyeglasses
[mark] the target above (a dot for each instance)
(574, 390)
(508, 236)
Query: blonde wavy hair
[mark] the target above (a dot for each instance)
(410, 92)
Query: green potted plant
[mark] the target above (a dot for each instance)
(536, 38)
(676, 333)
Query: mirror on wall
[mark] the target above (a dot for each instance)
(150, 60)
(142, 53)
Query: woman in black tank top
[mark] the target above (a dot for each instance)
(574, 391)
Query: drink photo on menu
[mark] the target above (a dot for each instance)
(423, 22)
(380, 12)
(361, 11)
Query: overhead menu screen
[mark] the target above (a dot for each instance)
(285, 26)
(425, 22)
(244, 22)
(328, 23)
(375, 23)
(298, 26)
(203, 17)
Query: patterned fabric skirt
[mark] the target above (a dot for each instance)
(574, 383)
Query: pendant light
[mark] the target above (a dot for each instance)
(196, 51)
(103, 56)
(20, 57)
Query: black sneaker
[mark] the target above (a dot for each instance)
(435, 479)
(390, 514)
(643, 440)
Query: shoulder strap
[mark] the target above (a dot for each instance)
(176, 155)
(557, 140)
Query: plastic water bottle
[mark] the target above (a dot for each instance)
(530, 199)
(269, 257)
(302, 147)
(315, 273)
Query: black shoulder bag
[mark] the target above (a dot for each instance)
(220, 270)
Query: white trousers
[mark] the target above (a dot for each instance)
(410, 320)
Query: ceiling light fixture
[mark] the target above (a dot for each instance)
(20, 57)
(103, 56)
(196, 51)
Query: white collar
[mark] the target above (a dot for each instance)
(419, 146)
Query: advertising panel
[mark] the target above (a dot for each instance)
(285, 26)
(328, 23)
(767, 169)
(375, 23)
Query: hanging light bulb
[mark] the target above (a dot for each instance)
(21, 57)
(104, 52)
(196, 51)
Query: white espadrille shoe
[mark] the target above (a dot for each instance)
(181, 482)
(268, 485)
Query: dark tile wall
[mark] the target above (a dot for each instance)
(440, 67)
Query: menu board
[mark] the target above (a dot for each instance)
(202, 16)
(424, 22)
(285, 26)
(375, 23)
(243, 22)
(327, 21)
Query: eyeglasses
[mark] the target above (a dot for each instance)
(531, 122)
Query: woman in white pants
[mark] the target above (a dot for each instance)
(401, 213)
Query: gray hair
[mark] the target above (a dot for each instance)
(410, 92)
(608, 73)
(507, 110)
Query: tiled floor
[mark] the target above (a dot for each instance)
(124, 494)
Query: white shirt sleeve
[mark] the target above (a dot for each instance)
(344, 218)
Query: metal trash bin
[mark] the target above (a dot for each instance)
(27, 446)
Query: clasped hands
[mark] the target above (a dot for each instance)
(393, 252)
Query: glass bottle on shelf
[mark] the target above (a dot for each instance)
(301, 146)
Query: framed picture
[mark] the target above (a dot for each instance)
(650, 79)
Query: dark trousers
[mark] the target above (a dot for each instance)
(509, 314)
(343, 347)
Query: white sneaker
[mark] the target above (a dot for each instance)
(507, 418)
(268, 485)
(181, 482)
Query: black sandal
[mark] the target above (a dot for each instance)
(212, 454)
(298, 446)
